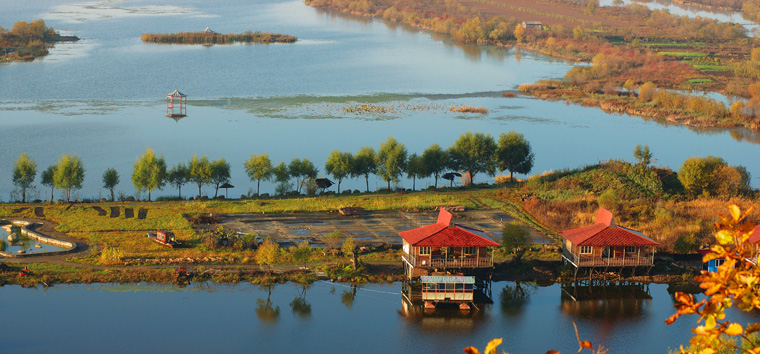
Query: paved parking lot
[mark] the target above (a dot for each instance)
(370, 228)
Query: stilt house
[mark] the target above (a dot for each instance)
(606, 244)
(445, 245)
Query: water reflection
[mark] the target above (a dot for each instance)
(265, 309)
(606, 302)
(348, 296)
(445, 318)
(514, 298)
(299, 305)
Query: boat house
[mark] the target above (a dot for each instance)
(605, 244)
(446, 246)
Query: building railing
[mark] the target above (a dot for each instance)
(579, 261)
(448, 262)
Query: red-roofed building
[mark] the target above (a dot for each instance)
(605, 244)
(444, 245)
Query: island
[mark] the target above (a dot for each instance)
(26, 41)
(209, 37)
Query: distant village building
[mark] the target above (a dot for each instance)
(445, 245)
(531, 25)
(606, 245)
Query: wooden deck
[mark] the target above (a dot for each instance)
(581, 262)
(450, 262)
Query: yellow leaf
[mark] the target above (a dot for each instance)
(707, 351)
(471, 350)
(736, 213)
(491, 347)
(734, 329)
(724, 237)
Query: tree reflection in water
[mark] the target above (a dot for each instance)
(299, 305)
(265, 309)
(514, 298)
(348, 297)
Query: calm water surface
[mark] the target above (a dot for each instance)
(102, 97)
(155, 318)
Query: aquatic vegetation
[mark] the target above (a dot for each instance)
(468, 109)
(211, 38)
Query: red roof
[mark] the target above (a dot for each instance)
(605, 233)
(443, 234)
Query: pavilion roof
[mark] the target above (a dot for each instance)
(445, 234)
(605, 233)
(176, 93)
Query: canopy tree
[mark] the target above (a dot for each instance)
(473, 153)
(178, 176)
(302, 169)
(48, 180)
(642, 154)
(435, 160)
(282, 176)
(220, 174)
(69, 174)
(110, 180)
(514, 154)
(259, 167)
(149, 172)
(364, 164)
(391, 161)
(415, 168)
(339, 165)
(199, 171)
(24, 172)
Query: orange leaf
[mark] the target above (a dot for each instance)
(552, 352)
(586, 344)
(491, 347)
(471, 350)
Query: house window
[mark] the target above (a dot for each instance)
(470, 250)
(586, 250)
(630, 249)
(424, 251)
(719, 262)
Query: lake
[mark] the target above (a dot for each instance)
(327, 318)
(102, 98)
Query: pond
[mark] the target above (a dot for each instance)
(23, 243)
(103, 98)
(327, 318)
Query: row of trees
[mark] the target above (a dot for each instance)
(471, 154)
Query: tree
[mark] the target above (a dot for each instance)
(149, 172)
(364, 163)
(220, 173)
(696, 173)
(514, 154)
(473, 153)
(514, 238)
(349, 250)
(267, 253)
(110, 180)
(282, 176)
(199, 171)
(435, 160)
(642, 155)
(520, 33)
(415, 168)
(302, 169)
(647, 91)
(391, 161)
(735, 283)
(259, 167)
(339, 165)
(69, 174)
(24, 172)
(178, 176)
(48, 179)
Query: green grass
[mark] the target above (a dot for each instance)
(699, 81)
(684, 54)
(711, 67)
(682, 45)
